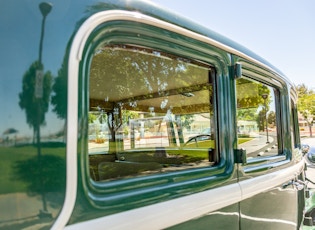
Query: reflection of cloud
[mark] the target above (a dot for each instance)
(10, 131)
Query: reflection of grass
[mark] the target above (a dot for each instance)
(201, 144)
(243, 140)
(12, 156)
(201, 151)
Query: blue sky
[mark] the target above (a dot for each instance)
(280, 31)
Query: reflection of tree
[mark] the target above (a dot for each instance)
(122, 71)
(261, 119)
(127, 115)
(59, 94)
(306, 105)
(249, 100)
(59, 88)
(28, 100)
(127, 78)
(249, 94)
(187, 120)
(249, 114)
(52, 174)
(271, 118)
(34, 99)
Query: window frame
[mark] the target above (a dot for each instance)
(294, 122)
(269, 163)
(182, 45)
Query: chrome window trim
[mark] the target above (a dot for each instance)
(166, 214)
(256, 185)
(75, 56)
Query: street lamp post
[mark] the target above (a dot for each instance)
(265, 96)
(45, 8)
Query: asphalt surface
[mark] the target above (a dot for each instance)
(310, 172)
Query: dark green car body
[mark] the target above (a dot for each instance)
(50, 178)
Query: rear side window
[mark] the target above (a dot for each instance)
(149, 113)
(257, 118)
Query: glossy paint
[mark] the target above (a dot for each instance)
(44, 180)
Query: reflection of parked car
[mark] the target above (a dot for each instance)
(206, 131)
(195, 141)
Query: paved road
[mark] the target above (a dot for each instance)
(308, 140)
(310, 172)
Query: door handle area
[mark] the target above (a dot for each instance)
(297, 184)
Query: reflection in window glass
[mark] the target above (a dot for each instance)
(149, 113)
(256, 118)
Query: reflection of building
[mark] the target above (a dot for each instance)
(201, 122)
(9, 136)
(246, 127)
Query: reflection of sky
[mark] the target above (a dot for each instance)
(20, 23)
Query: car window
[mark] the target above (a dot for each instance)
(150, 112)
(257, 118)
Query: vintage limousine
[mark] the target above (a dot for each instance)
(123, 115)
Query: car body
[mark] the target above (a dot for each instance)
(148, 80)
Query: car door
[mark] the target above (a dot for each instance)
(145, 89)
(270, 179)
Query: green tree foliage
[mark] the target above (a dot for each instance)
(251, 104)
(35, 108)
(59, 88)
(127, 115)
(271, 118)
(118, 72)
(187, 120)
(306, 104)
(249, 94)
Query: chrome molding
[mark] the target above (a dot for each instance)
(166, 214)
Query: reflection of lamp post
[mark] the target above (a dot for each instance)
(45, 8)
(264, 96)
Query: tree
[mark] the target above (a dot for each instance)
(35, 108)
(271, 118)
(306, 105)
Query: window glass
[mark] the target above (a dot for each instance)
(149, 112)
(256, 118)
